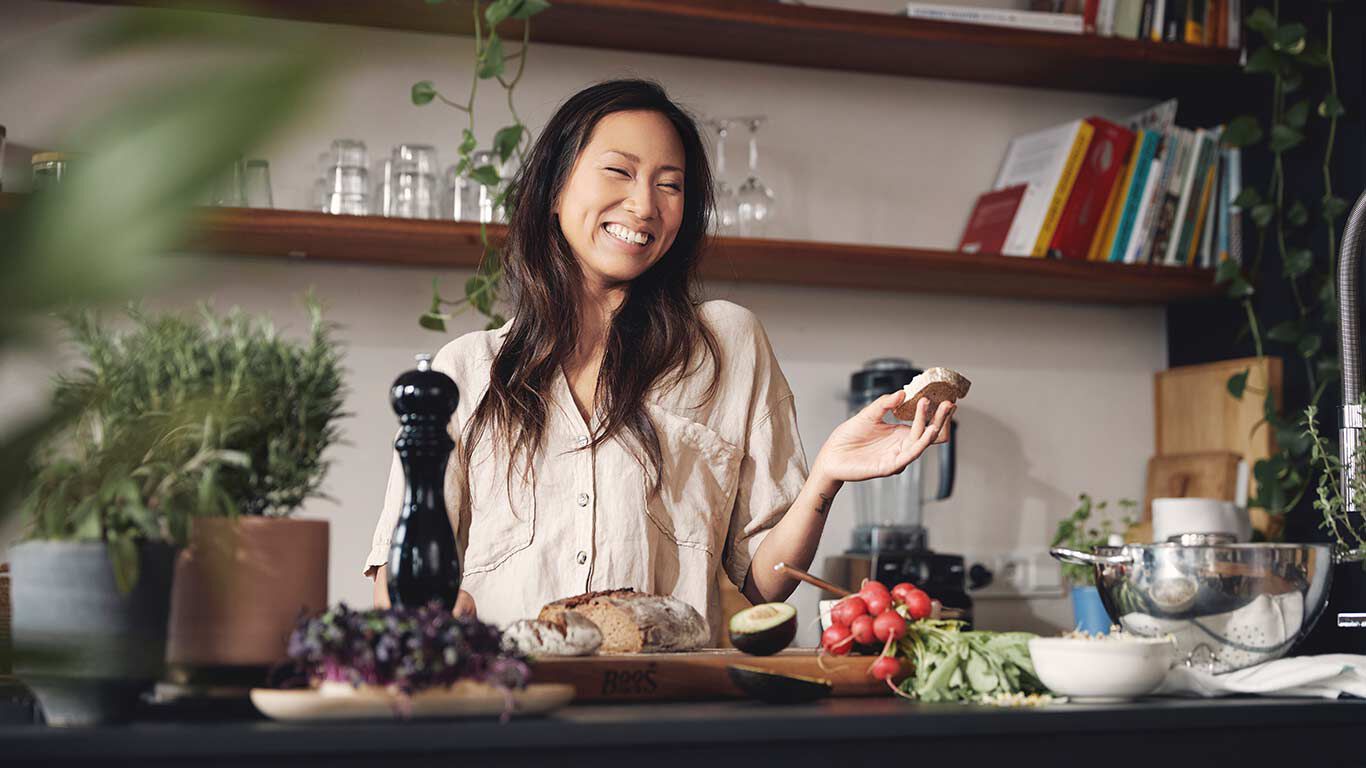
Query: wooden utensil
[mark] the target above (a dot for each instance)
(800, 575)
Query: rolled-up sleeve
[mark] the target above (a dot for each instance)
(388, 518)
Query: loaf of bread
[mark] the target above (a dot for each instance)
(935, 385)
(568, 634)
(634, 622)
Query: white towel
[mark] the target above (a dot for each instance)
(1326, 677)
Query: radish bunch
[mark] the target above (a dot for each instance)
(876, 615)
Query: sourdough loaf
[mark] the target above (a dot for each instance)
(935, 385)
(568, 634)
(634, 622)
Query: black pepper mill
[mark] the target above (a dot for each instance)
(423, 563)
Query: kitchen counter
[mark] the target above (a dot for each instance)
(842, 732)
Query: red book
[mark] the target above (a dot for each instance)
(1090, 11)
(1105, 159)
(990, 220)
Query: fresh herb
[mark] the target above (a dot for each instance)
(1081, 532)
(406, 649)
(954, 665)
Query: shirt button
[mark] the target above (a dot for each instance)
(581, 558)
(583, 499)
(581, 441)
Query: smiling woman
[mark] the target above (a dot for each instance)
(619, 432)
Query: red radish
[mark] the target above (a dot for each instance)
(918, 605)
(872, 585)
(885, 668)
(836, 640)
(876, 601)
(889, 626)
(900, 591)
(862, 630)
(848, 609)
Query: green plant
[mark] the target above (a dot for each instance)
(1088, 527)
(1303, 79)
(482, 290)
(1348, 530)
(180, 417)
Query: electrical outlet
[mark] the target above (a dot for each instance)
(1018, 575)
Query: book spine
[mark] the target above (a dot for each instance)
(1143, 161)
(1174, 25)
(1221, 235)
(1235, 24)
(1064, 189)
(1135, 238)
(1088, 17)
(1201, 215)
(1048, 22)
(1158, 23)
(1108, 218)
(1187, 219)
(1195, 22)
(1145, 21)
(1211, 217)
(1105, 18)
(1170, 201)
(1235, 212)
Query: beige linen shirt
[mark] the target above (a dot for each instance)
(584, 519)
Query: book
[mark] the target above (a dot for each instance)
(1106, 158)
(1220, 248)
(1144, 155)
(1172, 154)
(1069, 23)
(1199, 242)
(1037, 159)
(1170, 198)
(1158, 23)
(1105, 230)
(990, 220)
(1235, 24)
(1105, 18)
(1194, 33)
(1076, 158)
(1235, 212)
(1161, 117)
(1174, 22)
(1137, 235)
(1192, 177)
(1205, 257)
(1090, 11)
(1128, 18)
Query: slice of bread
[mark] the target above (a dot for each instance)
(634, 622)
(570, 634)
(935, 385)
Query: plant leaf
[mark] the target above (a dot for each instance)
(123, 557)
(1284, 138)
(491, 61)
(432, 321)
(486, 175)
(1298, 261)
(1261, 214)
(1226, 271)
(1262, 21)
(529, 8)
(1290, 38)
(1237, 384)
(1243, 131)
(1331, 107)
(506, 140)
(1240, 288)
(1333, 207)
(1248, 198)
(1262, 61)
(499, 10)
(467, 142)
(423, 92)
(1298, 115)
(1287, 332)
(1309, 344)
(1298, 214)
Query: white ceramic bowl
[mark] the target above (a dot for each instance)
(1101, 670)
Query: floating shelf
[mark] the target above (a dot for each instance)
(769, 32)
(448, 244)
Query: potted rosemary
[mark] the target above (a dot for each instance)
(1086, 528)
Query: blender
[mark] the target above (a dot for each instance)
(890, 542)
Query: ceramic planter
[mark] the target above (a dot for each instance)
(87, 651)
(240, 588)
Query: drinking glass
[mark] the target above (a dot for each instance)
(349, 153)
(382, 187)
(754, 200)
(416, 194)
(455, 194)
(724, 215)
(348, 191)
(482, 196)
(256, 185)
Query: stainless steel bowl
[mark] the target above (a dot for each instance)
(1228, 606)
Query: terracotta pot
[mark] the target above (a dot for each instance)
(241, 587)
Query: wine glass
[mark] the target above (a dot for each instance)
(724, 214)
(754, 200)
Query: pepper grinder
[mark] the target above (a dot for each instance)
(423, 563)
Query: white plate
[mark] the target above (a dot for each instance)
(466, 699)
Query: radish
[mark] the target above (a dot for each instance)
(848, 609)
(900, 591)
(876, 602)
(889, 626)
(918, 605)
(836, 640)
(862, 630)
(885, 668)
(872, 585)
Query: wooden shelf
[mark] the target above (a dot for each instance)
(442, 244)
(772, 33)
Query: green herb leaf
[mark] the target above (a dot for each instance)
(1242, 131)
(529, 8)
(1237, 384)
(1287, 332)
(1333, 207)
(1240, 288)
(1226, 271)
(432, 321)
(491, 61)
(467, 143)
(1298, 115)
(1262, 61)
(423, 92)
(1290, 38)
(1331, 107)
(1248, 198)
(499, 10)
(1297, 262)
(1298, 214)
(1309, 345)
(1262, 214)
(486, 175)
(506, 140)
(1262, 21)
(1285, 138)
(123, 556)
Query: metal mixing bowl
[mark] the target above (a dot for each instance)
(1228, 606)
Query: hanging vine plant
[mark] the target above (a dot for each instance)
(1303, 97)
(491, 63)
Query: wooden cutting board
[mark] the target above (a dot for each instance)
(695, 675)
(1204, 475)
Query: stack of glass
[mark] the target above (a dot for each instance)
(464, 199)
(343, 185)
(413, 191)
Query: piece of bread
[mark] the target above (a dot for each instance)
(634, 622)
(935, 385)
(569, 634)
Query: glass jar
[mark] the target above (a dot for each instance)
(49, 169)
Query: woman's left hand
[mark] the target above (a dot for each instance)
(865, 446)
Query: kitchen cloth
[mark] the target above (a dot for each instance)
(1326, 677)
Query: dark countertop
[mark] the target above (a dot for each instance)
(842, 732)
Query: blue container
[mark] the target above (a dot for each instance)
(1088, 613)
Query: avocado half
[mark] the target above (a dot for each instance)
(764, 629)
(777, 688)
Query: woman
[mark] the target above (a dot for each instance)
(616, 432)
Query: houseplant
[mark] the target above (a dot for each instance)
(1087, 527)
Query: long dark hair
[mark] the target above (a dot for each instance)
(655, 335)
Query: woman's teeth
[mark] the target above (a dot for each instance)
(627, 235)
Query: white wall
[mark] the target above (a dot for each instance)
(1061, 399)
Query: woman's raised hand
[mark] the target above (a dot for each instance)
(865, 446)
